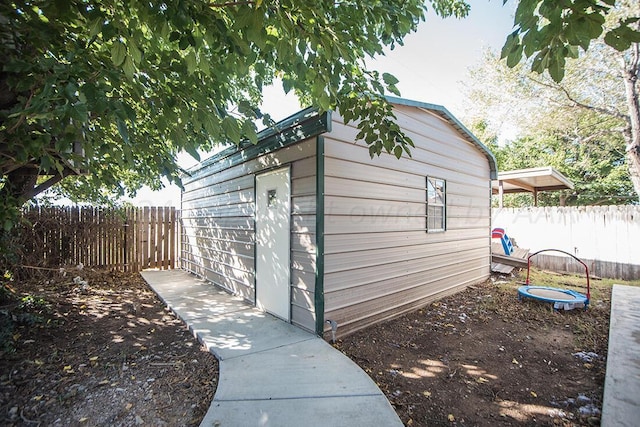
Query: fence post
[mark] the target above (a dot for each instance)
(174, 232)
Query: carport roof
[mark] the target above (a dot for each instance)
(530, 180)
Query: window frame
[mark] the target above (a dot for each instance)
(434, 183)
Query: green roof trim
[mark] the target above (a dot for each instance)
(446, 115)
(303, 125)
(308, 123)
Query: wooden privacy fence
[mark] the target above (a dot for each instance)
(128, 239)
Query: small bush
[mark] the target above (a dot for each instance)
(31, 303)
(7, 294)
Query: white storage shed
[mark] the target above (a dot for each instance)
(308, 227)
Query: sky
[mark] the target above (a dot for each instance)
(431, 66)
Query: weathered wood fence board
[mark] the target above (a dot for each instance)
(129, 239)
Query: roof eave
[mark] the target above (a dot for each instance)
(305, 124)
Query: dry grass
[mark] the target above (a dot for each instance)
(526, 352)
(591, 331)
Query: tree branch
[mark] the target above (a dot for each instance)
(48, 183)
(634, 66)
(580, 104)
(232, 3)
(22, 116)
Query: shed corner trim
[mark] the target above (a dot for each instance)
(319, 285)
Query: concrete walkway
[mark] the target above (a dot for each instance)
(621, 403)
(271, 373)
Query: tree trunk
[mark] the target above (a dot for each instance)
(631, 91)
(633, 158)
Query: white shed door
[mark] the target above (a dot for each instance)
(273, 194)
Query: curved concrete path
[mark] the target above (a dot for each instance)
(271, 372)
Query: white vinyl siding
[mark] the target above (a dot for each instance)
(303, 242)
(218, 211)
(379, 262)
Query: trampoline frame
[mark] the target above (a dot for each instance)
(576, 297)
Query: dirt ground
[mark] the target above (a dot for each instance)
(100, 350)
(482, 358)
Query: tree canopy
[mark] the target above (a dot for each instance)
(109, 91)
(585, 61)
(550, 31)
(577, 126)
(112, 90)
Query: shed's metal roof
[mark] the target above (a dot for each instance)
(297, 127)
(310, 115)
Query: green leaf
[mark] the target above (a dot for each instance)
(45, 163)
(397, 151)
(108, 31)
(231, 129)
(79, 112)
(180, 138)
(123, 131)
(390, 79)
(118, 53)
(249, 131)
(621, 38)
(556, 68)
(324, 101)
(573, 52)
(205, 68)
(70, 91)
(150, 70)
(191, 61)
(128, 67)
(184, 43)
(287, 84)
(514, 56)
(373, 151)
(192, 151)
(394, 90)
(95, 27)
(512, 41)
(211, 126)
(135, 53)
